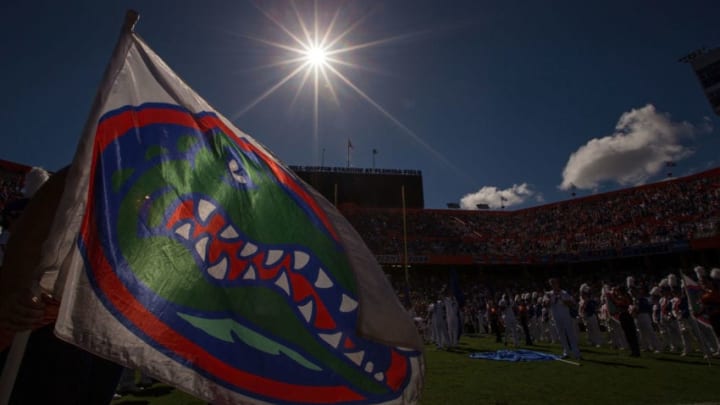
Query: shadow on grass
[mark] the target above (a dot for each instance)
(132, 402)
(594, 351)
(461, 350)
(684, 361)
(612, 363)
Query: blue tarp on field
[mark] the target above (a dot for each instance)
(514, 355)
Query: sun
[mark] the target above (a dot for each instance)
(316, 56)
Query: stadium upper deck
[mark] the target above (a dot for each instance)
(669, 216)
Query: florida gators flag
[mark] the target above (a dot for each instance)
(195, 255)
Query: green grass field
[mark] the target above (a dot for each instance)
(604, 377)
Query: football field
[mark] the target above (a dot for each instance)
(604, 376)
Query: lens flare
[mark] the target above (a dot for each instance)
(317, 56)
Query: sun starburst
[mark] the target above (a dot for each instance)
(316, 55)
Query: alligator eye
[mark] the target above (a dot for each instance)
(237, 172)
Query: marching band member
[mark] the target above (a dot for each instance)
(560, 302)
(588, 313)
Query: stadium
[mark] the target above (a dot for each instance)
(482, 256)
(654, 228)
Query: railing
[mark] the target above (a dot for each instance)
(355, 170)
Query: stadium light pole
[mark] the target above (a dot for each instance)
(405, 248)
(349, 148)
(669, 165)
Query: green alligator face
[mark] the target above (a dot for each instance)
(224, 247)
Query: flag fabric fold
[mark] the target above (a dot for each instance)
(183, 247)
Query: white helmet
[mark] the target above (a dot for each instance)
(715, 273)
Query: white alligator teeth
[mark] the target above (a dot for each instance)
(323, 281)
(219, 270)
(272, 257)
(301, 259)
(184, 231)
(356, 357)
(229, 233)
(379, 376)
(282, 282)
(249, 273)
(348, 304)
(306, 310)
(205, 208)
(248, 250)
(369, 367)
(333, 339)
(200, 247)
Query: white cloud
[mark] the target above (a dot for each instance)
(495, 198)
(643, 141)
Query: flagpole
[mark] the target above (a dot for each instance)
(348, 153)
(131, 19)
(405, 249)
(16, 352)
(12, 365)
(574, 363)
(15, 356)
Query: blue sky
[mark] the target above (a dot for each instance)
(486, 98)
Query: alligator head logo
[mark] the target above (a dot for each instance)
(210, 251)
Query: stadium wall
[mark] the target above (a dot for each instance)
(367, 188)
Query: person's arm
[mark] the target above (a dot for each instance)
(20, 311)
(20, 307)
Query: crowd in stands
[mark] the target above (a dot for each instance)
(10, 187)
(668, 212)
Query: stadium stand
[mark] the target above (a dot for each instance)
(11, 181)
(669, 216)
